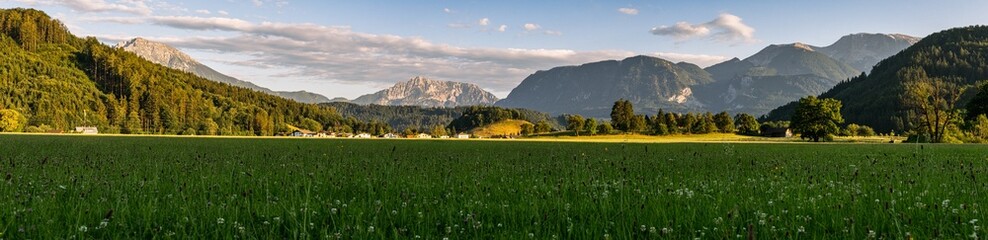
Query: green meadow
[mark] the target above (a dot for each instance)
(120, 187)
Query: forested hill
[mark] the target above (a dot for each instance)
(959, 55)
(59, 81)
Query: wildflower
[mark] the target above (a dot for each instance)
(531, 235)
(220, 221)
(333, 210)
(370, 229)
(872, 234)
(801, 229)
(83, 228)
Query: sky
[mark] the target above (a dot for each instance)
(350, 48)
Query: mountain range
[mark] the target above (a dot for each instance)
(421, 91)
(171, 57)
(776, 75)
(876, 99)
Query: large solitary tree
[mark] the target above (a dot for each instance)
(816, 118)
(931, 101)
(622, 115)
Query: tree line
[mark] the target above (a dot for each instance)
(52, 80)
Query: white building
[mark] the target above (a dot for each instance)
(303, 133)
(390, 135)
(87, 130)
(462, 136)
(423, 135)
(362, 135)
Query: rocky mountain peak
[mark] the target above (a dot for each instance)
(422, 91)
(173, 58)
(864, 50)
(159, 53)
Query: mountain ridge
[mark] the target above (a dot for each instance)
(172, 57)
(422, 91)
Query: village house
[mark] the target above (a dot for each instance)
(303, 133)
(362, 135)
(463, 136)
(87, 130)
(443, 137)
(423, 135)
(390, 135)
(776, 132)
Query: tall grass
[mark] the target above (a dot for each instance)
(145, 187)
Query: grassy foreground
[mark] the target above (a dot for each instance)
(147, 187)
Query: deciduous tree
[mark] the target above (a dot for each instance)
(817, 118)
(931, 101)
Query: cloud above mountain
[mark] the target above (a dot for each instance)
(341, 54)
(726, 28)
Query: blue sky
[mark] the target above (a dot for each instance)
(350, 48)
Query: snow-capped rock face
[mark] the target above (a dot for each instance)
(421, 91)
(173, 58)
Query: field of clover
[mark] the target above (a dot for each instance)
(73, 187)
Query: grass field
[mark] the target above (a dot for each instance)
(207, 188)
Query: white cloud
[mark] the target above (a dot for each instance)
(202, 11)
(224, 13)
(531, 27)
(552, 32)
(447, 10)
(628, 11)
(698, 59)
(725, 28)
(257, 2)
(484, 21)
(342, 55)
(138, 7)
(502, 28)
(458, 25)
(682, 30)
(202, 23)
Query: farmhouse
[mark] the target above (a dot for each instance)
(303, 133)
(390, 135)
(463, 136)
(362, 135)
(423, 135)
(87, 130)
(776, 132)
